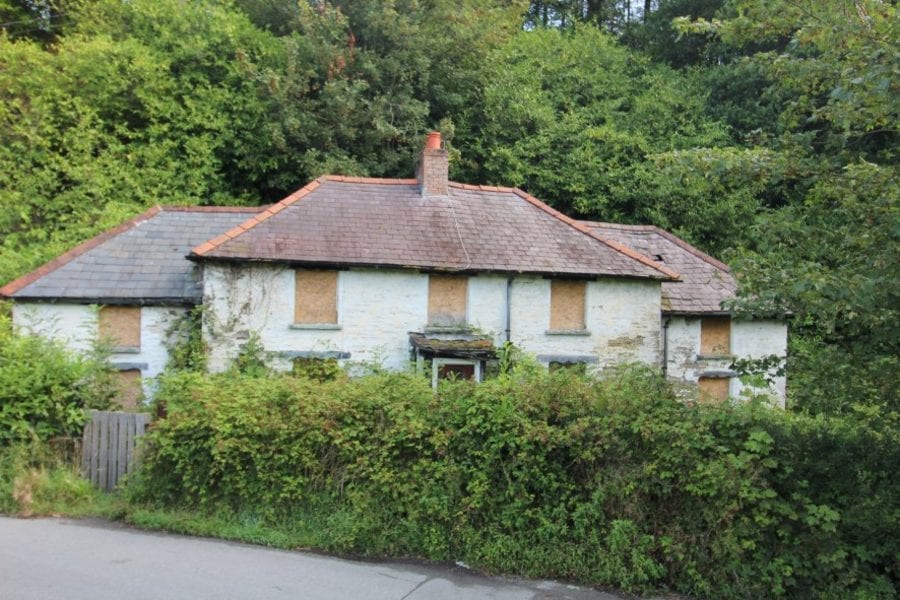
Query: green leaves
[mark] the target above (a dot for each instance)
(611, 482)
(44, 388)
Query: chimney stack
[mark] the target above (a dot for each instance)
(433, 171)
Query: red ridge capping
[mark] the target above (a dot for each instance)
(670, 274)
(17, 284)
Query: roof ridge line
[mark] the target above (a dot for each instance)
(63, 259)
(621, 248)
(258, 218)
(371, 180)
(481, 188)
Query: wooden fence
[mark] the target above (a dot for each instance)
(108, 450)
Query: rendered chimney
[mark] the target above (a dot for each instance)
(434, 167)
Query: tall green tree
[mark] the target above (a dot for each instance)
(139, 103)
(584, 123)
(828, 254)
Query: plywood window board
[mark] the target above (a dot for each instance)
(315, 296)
(120, 326)
(130, 393)
(713, 389)
(567, 299)
(447, 300)
(715, 336)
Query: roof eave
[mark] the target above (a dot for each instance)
(319, 264)
(141, 301)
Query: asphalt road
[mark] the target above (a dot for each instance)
(61, 559)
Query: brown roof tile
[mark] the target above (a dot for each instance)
(351, 221)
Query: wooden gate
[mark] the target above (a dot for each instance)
(108, 450)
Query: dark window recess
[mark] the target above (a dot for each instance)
(456, 372)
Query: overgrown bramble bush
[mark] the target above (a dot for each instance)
(610, 482)
(44, 388)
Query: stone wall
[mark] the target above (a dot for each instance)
(76, 325)
(378, 308)
(749, 339)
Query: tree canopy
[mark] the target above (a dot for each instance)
(765, 132)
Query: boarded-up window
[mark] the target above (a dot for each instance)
(713, 389)
(120, 326)
(130, 394)
(567, 305)
(715, 336)
(447, 300)
(315, 297)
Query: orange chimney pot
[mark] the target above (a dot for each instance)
(433, 141)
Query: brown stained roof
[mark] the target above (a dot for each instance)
(350, 221)
(705, 282)
(142, 259)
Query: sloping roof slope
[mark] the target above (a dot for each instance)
(345, 221)
(141, 260)
(705, 281)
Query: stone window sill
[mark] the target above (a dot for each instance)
(126, 350)
(582, 332)
(726, 374)
(316, 326)
(715, 357)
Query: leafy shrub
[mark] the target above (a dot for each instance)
(44, 388)
(610, 482)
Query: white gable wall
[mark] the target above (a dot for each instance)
(749, 339)
(377, 309)
(75, 325)
(758, 339)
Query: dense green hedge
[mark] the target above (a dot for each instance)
(44, 388)
(610, 483)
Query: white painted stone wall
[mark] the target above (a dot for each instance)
(758, 339)
(378, 308)
(749, 339)
(75, 325)
(622, 319)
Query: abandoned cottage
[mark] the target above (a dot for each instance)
(428, 270)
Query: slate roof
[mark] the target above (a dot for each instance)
(705, 281)
(142, 260)
(349, 221)
(459, 346)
